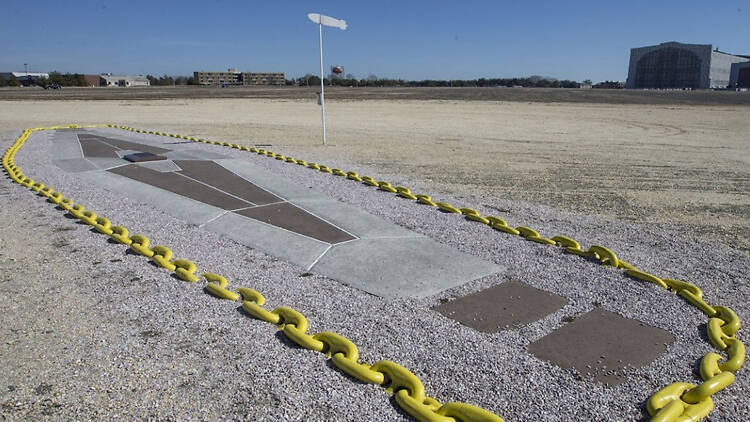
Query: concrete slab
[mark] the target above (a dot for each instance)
(378, 266)
(600, 343)
(354, 220)
(67, 146)
(279, 186)
(289, 246)
(190, 154)
(504, 305)
(293, 222)
(75, 165)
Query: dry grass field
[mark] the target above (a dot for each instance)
(678, 158)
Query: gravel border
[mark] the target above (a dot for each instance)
(455, 362)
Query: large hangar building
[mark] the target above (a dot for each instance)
(674, 65)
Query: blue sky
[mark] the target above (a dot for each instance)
(400, 39)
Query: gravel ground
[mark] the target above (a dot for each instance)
(113, 336)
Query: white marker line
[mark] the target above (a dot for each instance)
(212, 219)
(318, 258)
(80, 148)
(263, 205)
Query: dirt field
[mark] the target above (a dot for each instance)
(537, 95)
(645, 156)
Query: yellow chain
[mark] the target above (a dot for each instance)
(675, 402)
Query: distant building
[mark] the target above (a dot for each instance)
(674, 65)
(25, 78)
(123, 81)
(234, 77)
(93, 80)
(739, 76)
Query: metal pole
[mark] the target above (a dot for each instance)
(322, 95)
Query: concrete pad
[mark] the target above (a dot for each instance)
(75, 165)
(185, 153)
(181, 185)
(279, 186)
(296, 223)
(504, 305)
(292, 218)
(353, 220)
(393, 268)
(600, 343)
(289, 246)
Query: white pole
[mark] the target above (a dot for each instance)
(322, 95)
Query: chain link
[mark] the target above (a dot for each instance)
(676, 402)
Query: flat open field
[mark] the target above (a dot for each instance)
(94, 332)
(662, 161)
(540, 95)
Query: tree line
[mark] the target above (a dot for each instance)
(374, 81)
(62, 79)
(77, 79)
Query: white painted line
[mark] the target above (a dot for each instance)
(212, 219)
(321, 256)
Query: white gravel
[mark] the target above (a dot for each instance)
(128, 340)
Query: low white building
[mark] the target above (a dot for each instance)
(124, 81)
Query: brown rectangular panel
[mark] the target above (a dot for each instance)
(295, 219)
(94, 148)
(118, 143)
(601, 344)
(502, 306)
(215, 175)
(180, 185)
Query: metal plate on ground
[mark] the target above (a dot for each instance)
(94, 148)
(292, 218)
(181, 185)
(502, 306)
(121, 144)
(600, 344)
(217, 176)
(139, 157)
